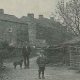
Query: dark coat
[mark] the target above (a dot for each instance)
(29, 50)
(26, 51)
(41, 61)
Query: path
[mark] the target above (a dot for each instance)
(51, 73)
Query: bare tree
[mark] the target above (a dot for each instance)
(69, 13)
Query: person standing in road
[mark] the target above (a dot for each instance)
(41, 61)
(26, 50)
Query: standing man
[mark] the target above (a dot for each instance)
(26, 50)
(41, 61)
(29, 52)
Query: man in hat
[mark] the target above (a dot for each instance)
(41, 61)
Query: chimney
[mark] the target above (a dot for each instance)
(41, 16)
(1, 11)
(52, 18)
(31, 15)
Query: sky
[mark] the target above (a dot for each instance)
(23, 7)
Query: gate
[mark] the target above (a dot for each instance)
(74, 57)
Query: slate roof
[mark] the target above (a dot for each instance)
(44, 22)
(12, 18)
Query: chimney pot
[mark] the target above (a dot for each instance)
(41, 16)
(1, 11)
(31, 15)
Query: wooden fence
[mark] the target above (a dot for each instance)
(74, 57)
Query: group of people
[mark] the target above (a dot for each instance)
(41, 60)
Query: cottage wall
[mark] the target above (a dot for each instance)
(10, 31)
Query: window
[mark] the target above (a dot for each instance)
(10, 30)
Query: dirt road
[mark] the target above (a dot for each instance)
(51, 73)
